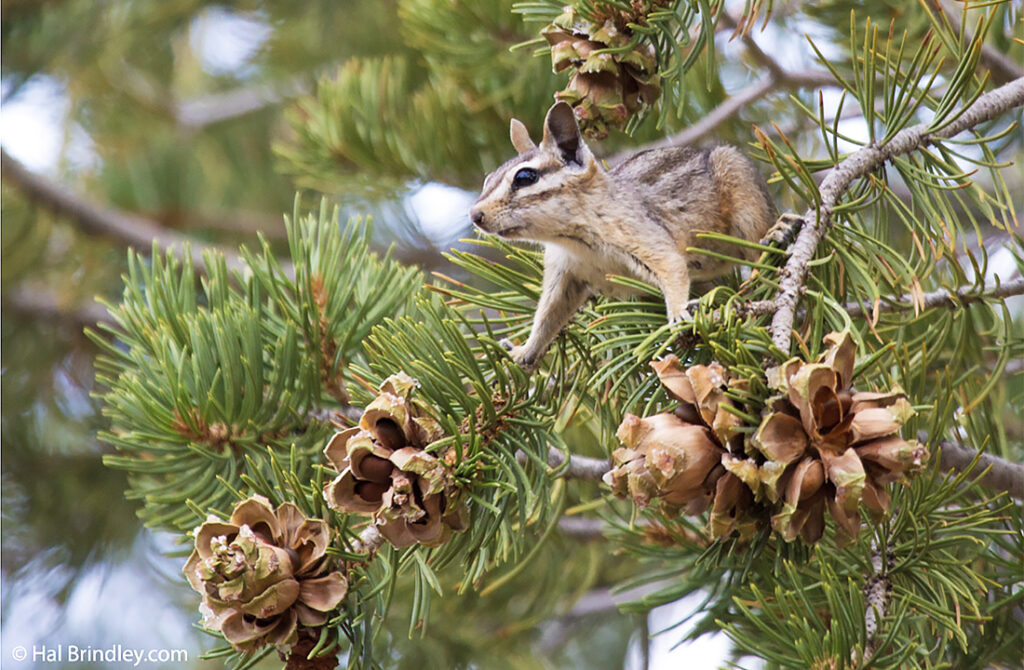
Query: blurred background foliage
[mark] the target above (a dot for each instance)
(204, 118)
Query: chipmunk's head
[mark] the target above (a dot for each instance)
(533, 195)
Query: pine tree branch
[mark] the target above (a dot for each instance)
(45, 305)
(943, 297)
(1000, 474)
(197, 113)
(731, 106)
(754, 48)
(580, 467)
(226, 105)
(600, 601)
(817, 219)
(645, 641)
(235, 223)
(1014, 367)
(369, 541)
(937, 298)
(777, 78)
(330, 415)
(716, 117)
(876, 596)
(582, 528)
(93, 219)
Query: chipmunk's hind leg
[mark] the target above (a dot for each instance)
(745, 207)
(785, 230)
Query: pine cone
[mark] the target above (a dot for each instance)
(387, 474)
(733, 509)
(605, 88)
(668, 459)
(263, 573)
(827, 445)
(700, 390)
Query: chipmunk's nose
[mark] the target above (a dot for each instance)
(476, 215)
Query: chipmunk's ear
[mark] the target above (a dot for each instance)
(520, 137)
(562, 135)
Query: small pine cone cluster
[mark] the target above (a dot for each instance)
(387, 474)
(819, 446)
(263, 573)
(613, 76)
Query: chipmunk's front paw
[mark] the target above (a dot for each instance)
(519, 354)
(682, 317)
(527, 360)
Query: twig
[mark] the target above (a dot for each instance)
(369, 541)
(876, 596)
(752, 46)
(729, 108)
(1014, 367)
(716, 117)
(580, 467)
(600, 601)
(817, 219)
(943, 297)
(582, 528)
(328, 415)
(937, 298)
(754, 308)
(804, 123)
(226, 105)
(777, 78)
(47, 306)
(645, 640)
(133, 230)
(235, 223)
(1000, 474)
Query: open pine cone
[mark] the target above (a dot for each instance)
(263, 573)
(828, 446)
(682, 458)
(701, 392)
(387, 474)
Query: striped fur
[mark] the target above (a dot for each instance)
(636, 219)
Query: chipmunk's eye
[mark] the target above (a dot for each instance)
(525, 177)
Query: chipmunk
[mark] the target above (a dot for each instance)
(636, 219)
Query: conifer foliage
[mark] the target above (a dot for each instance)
(361, 476)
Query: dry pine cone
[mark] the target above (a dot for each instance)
(387, 474)
(263, 573)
